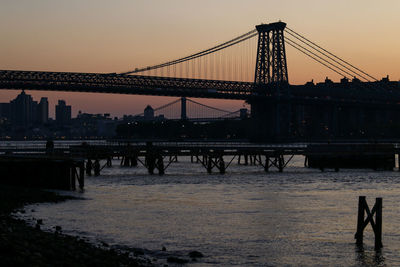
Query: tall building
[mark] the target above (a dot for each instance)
(23, 110)
(149, 113)
(43, 111)
(63, 113)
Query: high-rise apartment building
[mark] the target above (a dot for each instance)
(23, 110)
(63, 113)
(43, 111)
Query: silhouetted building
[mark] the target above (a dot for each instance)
(23, 110)
(43, 111)
(5, 111)
(243, 113)
(63, 113)
(149, 113)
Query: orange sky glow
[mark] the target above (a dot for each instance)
(117, 36)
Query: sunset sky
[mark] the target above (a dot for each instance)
(120, 35)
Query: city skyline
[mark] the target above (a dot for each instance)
(119, 36)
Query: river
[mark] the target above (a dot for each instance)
(246, 217)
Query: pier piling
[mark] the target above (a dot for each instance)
(376, 225)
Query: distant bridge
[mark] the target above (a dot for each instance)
(188, 109)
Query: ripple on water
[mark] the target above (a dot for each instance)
(245, 217)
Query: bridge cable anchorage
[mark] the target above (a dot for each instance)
(342, 60)
(327, 56)
(214, 49)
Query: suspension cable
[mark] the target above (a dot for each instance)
(207, 106)
(287, 28)
(233, 41)
(335, 66)
(329, 57)
(299, 49)
(163, 106)
(195, 57)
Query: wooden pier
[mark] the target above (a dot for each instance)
(42, 171)
(156, 157)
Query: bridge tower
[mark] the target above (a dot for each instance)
(270, 108)
(183, 108)
(271, 67)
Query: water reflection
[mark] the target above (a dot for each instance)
(367, 257)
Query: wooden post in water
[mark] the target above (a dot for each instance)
(398, 160)
(209, 165)
(81, 179)
(160, 164)
(73, 177)
(360, 221)
(376, 225)
(221, 165)
(280, 163)
(134, 160)
(109, 161)
(266, 167)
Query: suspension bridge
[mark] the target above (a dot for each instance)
(359, 106)
(188, 109)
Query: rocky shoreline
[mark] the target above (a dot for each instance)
(24, 245)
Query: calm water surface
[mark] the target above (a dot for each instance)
(245, 217)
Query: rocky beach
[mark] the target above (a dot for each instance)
(25, 245)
